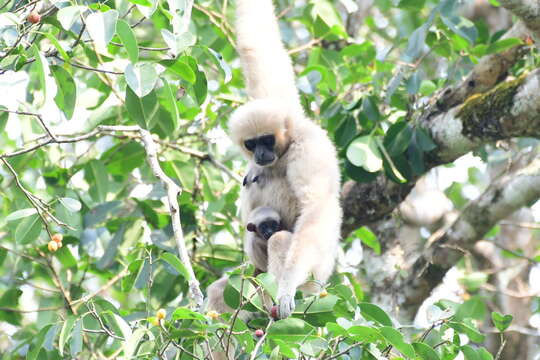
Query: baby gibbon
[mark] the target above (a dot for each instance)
(295, 160)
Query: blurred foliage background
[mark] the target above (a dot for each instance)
(76, 76)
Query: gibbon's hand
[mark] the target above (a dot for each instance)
(286, 306)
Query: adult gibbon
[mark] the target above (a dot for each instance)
(295, 161)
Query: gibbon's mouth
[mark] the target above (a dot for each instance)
(266, 162)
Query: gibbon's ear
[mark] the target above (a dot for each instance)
(251, 227)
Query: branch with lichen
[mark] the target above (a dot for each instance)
(511, 109)
(528, 11)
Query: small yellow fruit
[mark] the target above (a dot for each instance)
(53, 246)
(161, 313)
(57, 237)
(154, 321)
(212, 314)
(323, 293)
(59, 244)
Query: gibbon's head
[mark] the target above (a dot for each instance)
(264, 221)
(261, 128)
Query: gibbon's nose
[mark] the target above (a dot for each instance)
(264, 157)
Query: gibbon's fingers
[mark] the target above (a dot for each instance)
(266, 64)
(286, 306)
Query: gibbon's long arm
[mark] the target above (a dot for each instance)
(267, 66)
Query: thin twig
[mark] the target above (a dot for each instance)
(173, 190)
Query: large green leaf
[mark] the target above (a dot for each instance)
(128, 39)
(28, 229)
(142, 110)
(364, 152)
(395, 338)
(291, 330)
(101, 26)
(66, 94)
(375, 313)
(141, 78)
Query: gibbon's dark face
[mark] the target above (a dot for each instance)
(268, 228)
(263, 149)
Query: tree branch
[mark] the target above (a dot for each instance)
(511, 109)
(511, 191)
(173, 191)
(527, 10)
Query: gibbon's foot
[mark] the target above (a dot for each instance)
(286, 306)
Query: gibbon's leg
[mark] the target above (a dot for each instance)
(313, 249)
(215, 296)
(278, 246)
(266, 64)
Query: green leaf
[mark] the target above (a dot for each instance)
(19, 214)
(185, 313)
(65, 333)
(291, 331)
(363, 151)
(141, 78)
(178, 43)
(223, 65)
(37, 344)
(66, 258)
(122, 159)
(95, 174)
(128, 39)
(72, 205)
(314, 347)
(75, 346)
(469, 353)
(58, 47)
(66, 94)
(10, 299)
(369, 239)
(42, 69)
(180, 69)
(318, 311)
(4, 116)
(68, 15)
(364, 333)
(171, 103)
(411, 5)
(424, 351)
(501, 322)
(357, 288)
(395, 338)
(145, 3)
(28, 229)
(471, 333)
(484, 354)
(416, 43)
(474, 308)
(461, 26)
(375, 313)
(424, 140)
(101, 26)
(201, 87)
(502, 45)
(398, 137)
(142, 110)
(176, 264)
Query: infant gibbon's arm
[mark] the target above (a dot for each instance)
(266, 64)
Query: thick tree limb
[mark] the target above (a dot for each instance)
(507, 194)
(527, 10)
(511, 109)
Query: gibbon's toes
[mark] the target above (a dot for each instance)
(286, 306)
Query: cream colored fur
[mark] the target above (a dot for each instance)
(305, 183)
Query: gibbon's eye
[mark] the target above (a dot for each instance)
(268, 140)
(250, 144)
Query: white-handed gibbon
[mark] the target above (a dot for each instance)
(295, 161)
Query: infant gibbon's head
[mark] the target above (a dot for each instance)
(264, 221)
(261, 129)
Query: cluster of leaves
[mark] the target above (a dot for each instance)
(140, 62)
